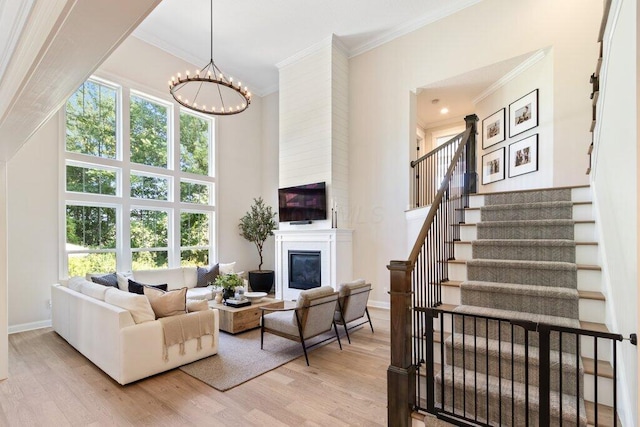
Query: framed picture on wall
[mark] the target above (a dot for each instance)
(523, 114)
(523, 156)
(493, 166)
(493, 129)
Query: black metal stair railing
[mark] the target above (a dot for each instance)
(417, 282)
(541, 384)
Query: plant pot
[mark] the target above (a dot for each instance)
(261, 280)
(227, 293)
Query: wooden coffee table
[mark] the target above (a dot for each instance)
(234, 320)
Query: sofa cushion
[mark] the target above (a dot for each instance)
(123, 280)
(197, 305)
(200, 293)
(173, 277)
(138, 305)
(138, 288)
(93, 290)
(190, 274)
(165, 304)
(106, 280)
(75, 283)
(227, 268)
(207, 274)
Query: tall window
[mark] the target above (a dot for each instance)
(140, 200)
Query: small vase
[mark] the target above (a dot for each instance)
(218, 297)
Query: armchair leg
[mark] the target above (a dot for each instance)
(335, 328)
(304, 346)
(346, 330)
(366, 310)
(262, 332)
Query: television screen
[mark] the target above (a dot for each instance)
(302, 203)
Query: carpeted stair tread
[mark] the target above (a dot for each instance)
(538, 273)
(507, 314)
(525, 249)
(468, 352)
(548, 195)
(516, 288)
(529, 229)
(476, 387)
(527, 211)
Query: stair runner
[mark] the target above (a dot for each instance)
(523, 267)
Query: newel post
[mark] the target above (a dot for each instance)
(401, 380)
(470, 175)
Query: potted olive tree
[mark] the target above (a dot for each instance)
(255, 226)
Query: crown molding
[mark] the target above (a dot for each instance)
(409, 27)
(519, 69)
(316, 47)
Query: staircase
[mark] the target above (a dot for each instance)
(529, 256)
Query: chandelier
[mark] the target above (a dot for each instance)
(209, 90)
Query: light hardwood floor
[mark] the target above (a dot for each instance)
(51, 384)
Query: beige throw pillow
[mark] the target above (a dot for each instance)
(137, 305)
(165, 304)
(197, 305)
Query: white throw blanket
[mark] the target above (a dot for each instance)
(179, 329)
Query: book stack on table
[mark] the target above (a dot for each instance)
(232, 302)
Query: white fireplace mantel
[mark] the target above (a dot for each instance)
(336, 256)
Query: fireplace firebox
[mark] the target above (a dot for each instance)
(304, 269)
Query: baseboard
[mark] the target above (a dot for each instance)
(379, 304)
(14, 329)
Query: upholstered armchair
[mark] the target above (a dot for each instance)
(352, 305)
(313, 315)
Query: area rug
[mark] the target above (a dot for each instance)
(240, 359)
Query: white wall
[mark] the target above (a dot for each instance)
(4, 297)
(314, 109)
(305, 120)
(270, 167)
(537, 76)
(381, 80)
(615, 186)
(33, 179)
(33, 228)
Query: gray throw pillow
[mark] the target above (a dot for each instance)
(207, 274)
(106, 280)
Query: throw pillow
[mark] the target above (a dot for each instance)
(138, 288)
(207, 274)
(106, 280)
(227, 268)
(123, 280)
(165, 304)
(197, 305)
(75, 283)
(138, 305)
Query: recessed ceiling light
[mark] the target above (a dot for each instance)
(445, 110)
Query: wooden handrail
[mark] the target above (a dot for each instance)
(417, 246)
(435, 150)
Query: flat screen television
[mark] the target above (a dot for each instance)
(302, 203)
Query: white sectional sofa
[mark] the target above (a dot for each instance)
(126, 343)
